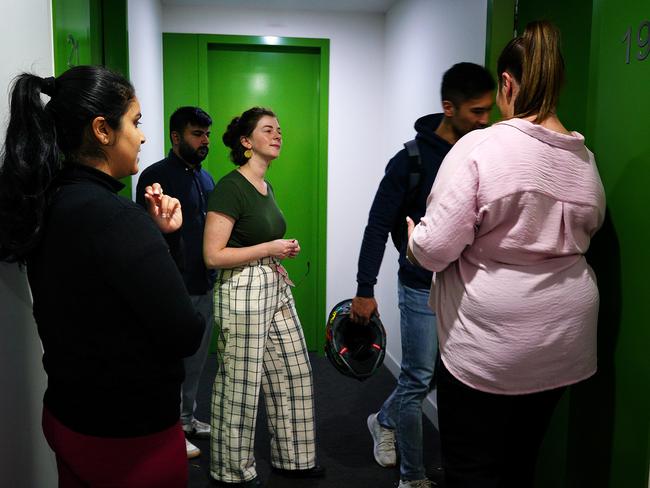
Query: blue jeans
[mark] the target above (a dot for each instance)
(403, 408)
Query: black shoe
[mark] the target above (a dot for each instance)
(315, 472)
(437, 475)
(254, 483)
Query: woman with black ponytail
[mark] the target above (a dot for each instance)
(508, 221)
(111, 308)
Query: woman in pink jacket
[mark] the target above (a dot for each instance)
(508, 222)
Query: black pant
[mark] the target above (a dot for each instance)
(489, 440)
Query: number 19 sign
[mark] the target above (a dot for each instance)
(641, 41)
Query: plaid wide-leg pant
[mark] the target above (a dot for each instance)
(260, 343)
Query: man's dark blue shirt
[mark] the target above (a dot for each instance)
(191, 186)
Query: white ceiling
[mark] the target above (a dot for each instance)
(377, 6)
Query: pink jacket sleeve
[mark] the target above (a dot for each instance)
(451, 216)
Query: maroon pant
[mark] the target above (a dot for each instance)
(153, 461)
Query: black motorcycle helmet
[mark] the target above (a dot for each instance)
(355, 350)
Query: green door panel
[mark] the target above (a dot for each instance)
(115, 36)
(75, 33)
(180, 75)
(226, 75)
(240, 77)
(499, 30)
(575, 28)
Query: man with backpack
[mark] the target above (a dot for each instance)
(467, 92)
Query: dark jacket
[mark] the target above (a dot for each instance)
(111, 309)
(393, 203)
(192, 188)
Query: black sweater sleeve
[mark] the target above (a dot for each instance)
(384, 212)
(139, 267)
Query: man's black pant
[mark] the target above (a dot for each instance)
(489, 440)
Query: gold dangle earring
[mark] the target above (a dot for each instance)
(248, 154)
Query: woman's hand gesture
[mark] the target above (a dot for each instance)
(284, 248)
(164, 210)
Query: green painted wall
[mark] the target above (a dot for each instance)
(91, 32)
(618, 105)
(600, 434)
(499, 31)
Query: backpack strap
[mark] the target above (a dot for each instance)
(415, 172)
(398, 232)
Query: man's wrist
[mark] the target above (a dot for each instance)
(365, 290)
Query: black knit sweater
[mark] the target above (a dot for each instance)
(112, 311)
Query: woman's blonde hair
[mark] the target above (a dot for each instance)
(535, 61)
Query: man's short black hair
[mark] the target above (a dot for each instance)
(188, 115)
(465, 81)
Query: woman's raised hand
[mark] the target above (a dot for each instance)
(164, 210)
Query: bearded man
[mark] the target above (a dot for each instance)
(182, 176)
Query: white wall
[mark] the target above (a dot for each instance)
(355, 112)
(146, 74)
(25, 458)
(422, 39)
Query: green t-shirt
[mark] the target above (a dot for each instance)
(257, 217)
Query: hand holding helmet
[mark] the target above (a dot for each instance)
(354, 351)
(362, 309)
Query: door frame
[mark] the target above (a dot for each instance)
(322, 46)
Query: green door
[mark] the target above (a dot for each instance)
(285, 80)
(229, 74)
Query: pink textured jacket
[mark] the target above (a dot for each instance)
(508, 221)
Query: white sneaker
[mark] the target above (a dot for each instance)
(384, 442)
(192, 450)
(425, 483)
(197, 429)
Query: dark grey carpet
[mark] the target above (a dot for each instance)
(344, 443)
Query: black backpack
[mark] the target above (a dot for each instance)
(398, 232)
